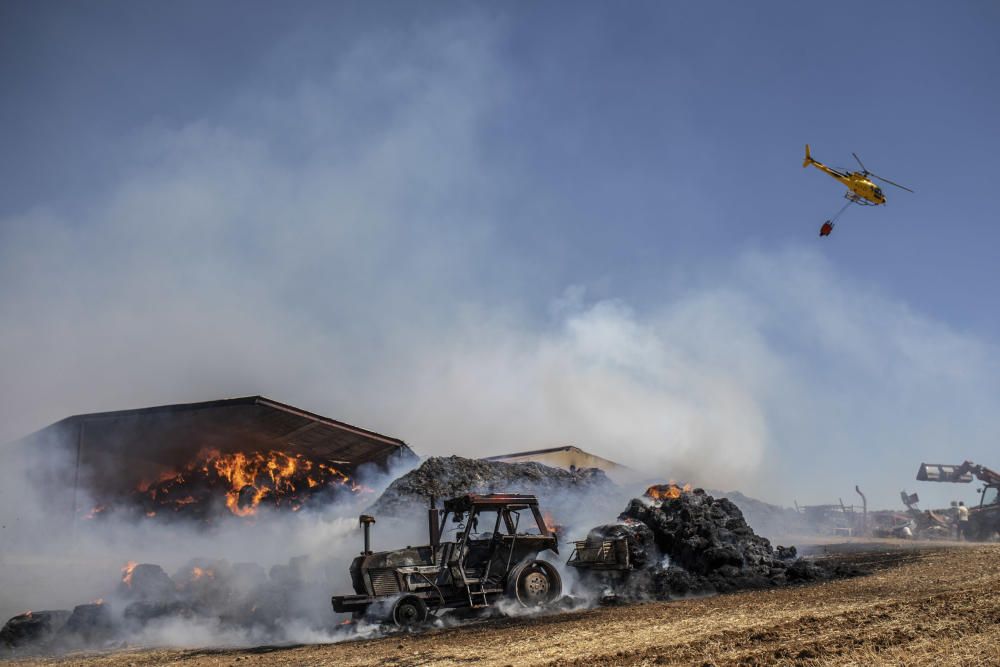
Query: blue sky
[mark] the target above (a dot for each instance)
(494, 227)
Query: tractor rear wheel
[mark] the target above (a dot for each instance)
(535, 584)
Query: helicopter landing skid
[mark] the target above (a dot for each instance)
(857, 199)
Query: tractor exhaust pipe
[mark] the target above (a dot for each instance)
(366, 522)
(434, 530)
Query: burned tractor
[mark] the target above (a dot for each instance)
(984, 519)
(493, 555)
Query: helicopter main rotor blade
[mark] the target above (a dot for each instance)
(863, 167)
(891, 183)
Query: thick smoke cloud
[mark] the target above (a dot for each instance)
(339, 243)
(49, 561)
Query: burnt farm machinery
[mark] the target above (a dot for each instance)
(984, 519)
(492, 555)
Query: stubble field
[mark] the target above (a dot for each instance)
(922, 605)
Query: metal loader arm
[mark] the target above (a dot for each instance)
(960, 474)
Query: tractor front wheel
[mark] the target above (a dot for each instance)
(409, 611)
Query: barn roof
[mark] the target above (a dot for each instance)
(249, 423)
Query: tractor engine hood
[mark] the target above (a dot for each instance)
(375, 574)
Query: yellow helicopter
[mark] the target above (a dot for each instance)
(860, 189)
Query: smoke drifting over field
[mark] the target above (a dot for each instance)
(223, 577)
(233, 580)
(360, 241)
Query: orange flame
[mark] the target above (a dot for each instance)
(667, 491)
(198, 572)
(127, 570)
(246, 480)
(253, 477)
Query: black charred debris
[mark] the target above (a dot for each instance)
(697, 545)
(448, 476)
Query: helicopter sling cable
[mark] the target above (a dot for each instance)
(829, 224)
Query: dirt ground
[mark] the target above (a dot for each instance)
(920, 606)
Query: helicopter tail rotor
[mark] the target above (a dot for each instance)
(808, 160)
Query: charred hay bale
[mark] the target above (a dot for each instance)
(248, 575)
(140, 613)
(805, 570)
(206, 584)
(87, 624)
(674, 582)
(711, 547)
(147, 581)
(275, 598)
(290, 574)
(32, 627)
(445, 477)
(785, 553)
(765, 518)
(701, 533)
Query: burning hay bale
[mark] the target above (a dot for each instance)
(445, 477)
(214, 484)
(138, 614)
(243, 595)
(146, 582)
(89, 623)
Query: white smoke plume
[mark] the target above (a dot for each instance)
(340, 245)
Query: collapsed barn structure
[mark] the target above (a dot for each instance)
(189, 460)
